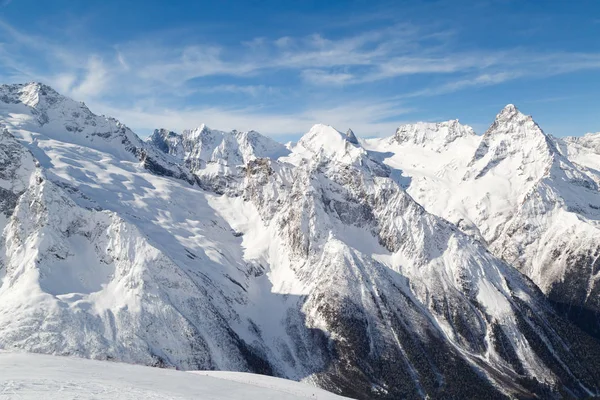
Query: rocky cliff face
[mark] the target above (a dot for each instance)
(350, 230)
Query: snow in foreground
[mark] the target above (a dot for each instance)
(34, 376)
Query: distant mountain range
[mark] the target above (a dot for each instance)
(435, 263)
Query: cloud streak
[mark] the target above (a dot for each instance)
(308, 73)
(365, 118)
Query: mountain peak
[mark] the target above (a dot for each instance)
(509, 108)
(196, 132)
(326, 140)
(32, 94)
(164, 133)
(324, 133)
(436, 134)
(203, 146)
(325, 137)
(515, 137)
(590, 141)
(351, 137)
(511, 113)
(162, 139)
(513, 122)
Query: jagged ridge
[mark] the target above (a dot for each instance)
(321, 268)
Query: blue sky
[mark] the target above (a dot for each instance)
(278, 67)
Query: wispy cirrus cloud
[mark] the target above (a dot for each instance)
(476, 81)
(321, 77)
(362, 58)
(365, 118)
(150, 82)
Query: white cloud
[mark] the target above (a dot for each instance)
(479, 80)
(366, 119)
(64, 82)
(320, 77)
(250, 90)
(161, 77)
(122, 61)
(181, 65)
(94, 80)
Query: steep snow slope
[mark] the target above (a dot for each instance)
(17, 167)
(130, 265)
(392, 283)
(434, 158)
(316, 266)
(33, 376)
(36, 110)
(585, 152)
(517, 191)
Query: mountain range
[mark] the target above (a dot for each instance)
(435, 263)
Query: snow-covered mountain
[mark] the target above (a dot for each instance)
(227, 251)
(216, 156)
(531, 198)
(436, 136)
(585, 152)
(590, 141)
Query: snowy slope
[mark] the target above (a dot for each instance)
(309, 262)
(34, 376)
(37, 111)
(585, 152)
(378, 270)
(156, 255)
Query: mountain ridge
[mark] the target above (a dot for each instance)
(518, 190)
(313, 265)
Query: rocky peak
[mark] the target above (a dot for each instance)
(512, 122)
(437, 135)
(324, 145)
(511, 115)
(31, 94)
(44, 102)
(164, 139)
(509, 109)
(326, 137)
(167, 133)
(326, 141)
(517, 137)
(199, 132)
(162, 134)
(590, 141)
(202, 146)
(52, 115)
(351, 137)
